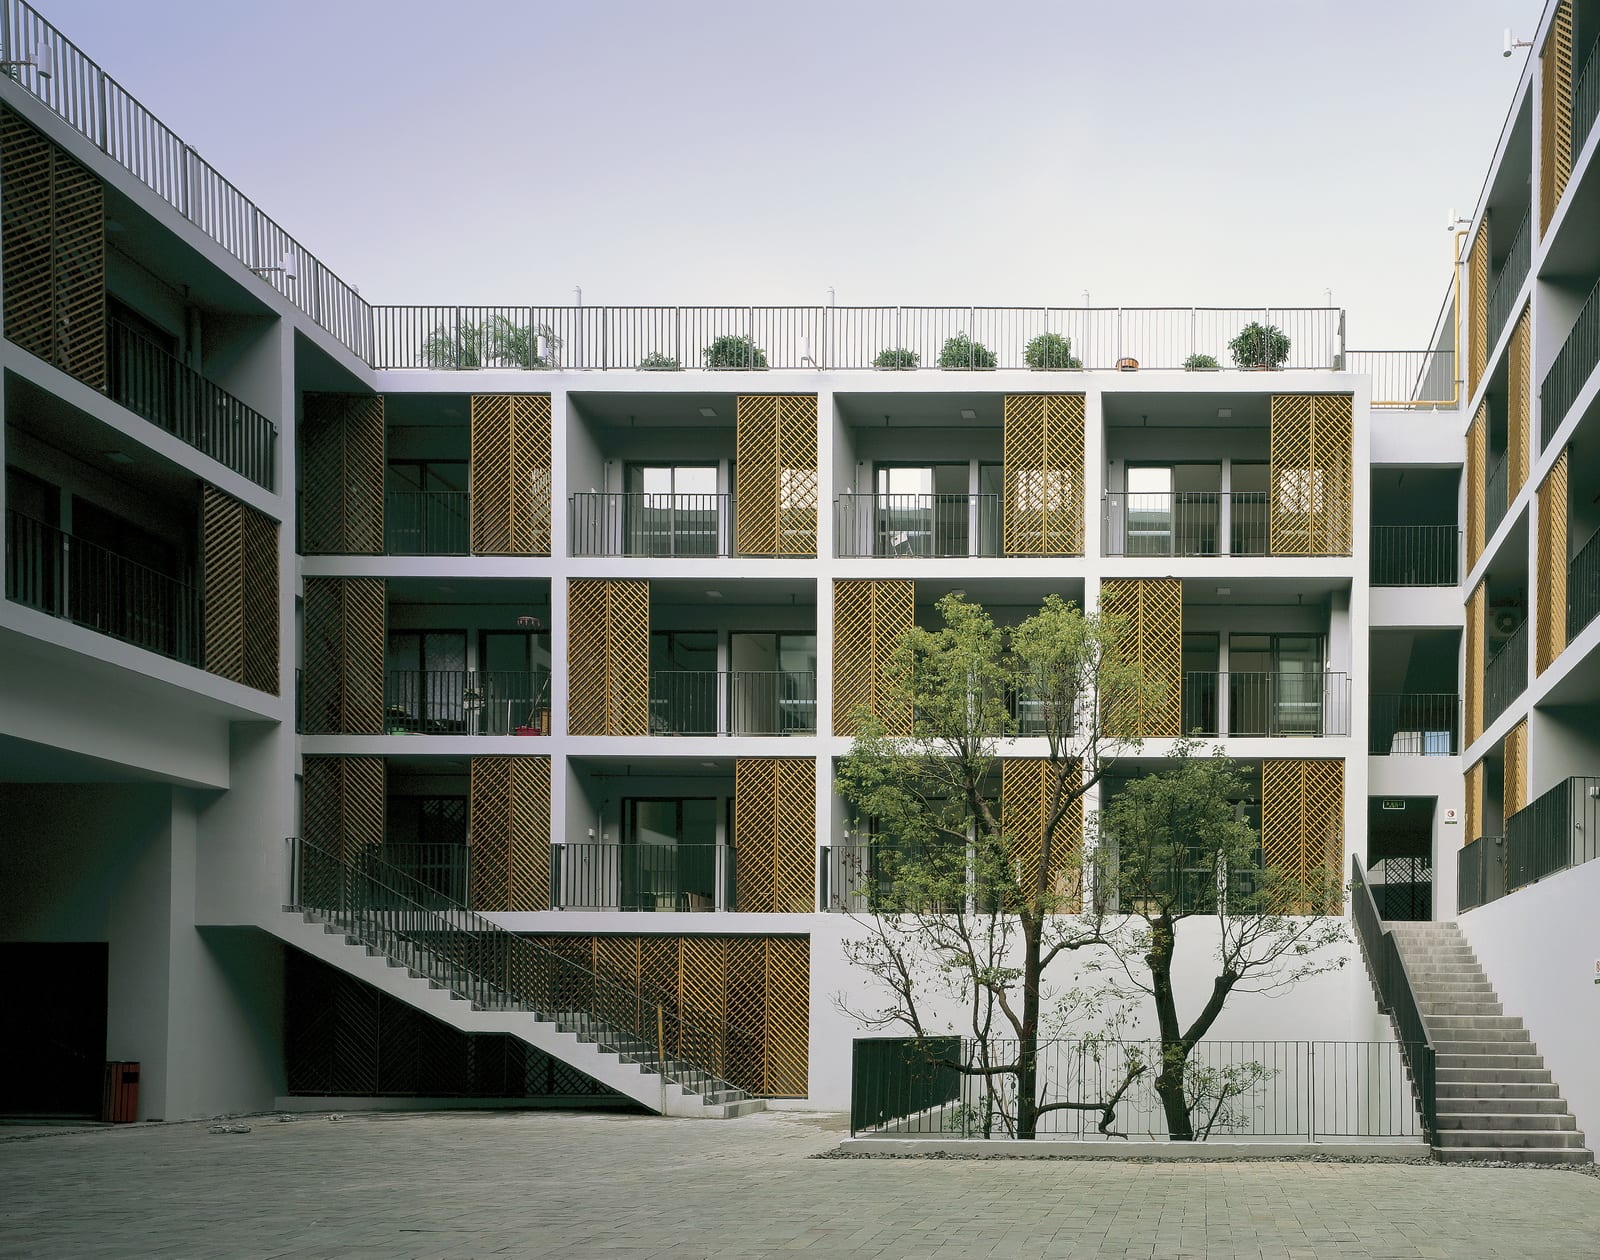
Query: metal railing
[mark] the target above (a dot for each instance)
(144, 378)
(1583, 587)
(1508, 284)
(917, 525)
(1416, 555)
(1495, 496)
(614, 524)
(1585, 101)
(466, 702)
(427, 522)
(592, 875)
(1421, 725)
(1558, 830)
(1480, 872)
(1420, 379)
(53, 572)
(95, 105)
(837, 338)
(442, 868)
(1282, 1089)
(1574, 363)
(1505, 677)
(476, 960)
(1188, 523)
(1396, 995)
(733, 702)
(1249, 703)
(1402, 887)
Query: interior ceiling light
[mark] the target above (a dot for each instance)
(708, 765)
(967, 413)
(710, 413)
(1224, 590)
(118, 457)
(1224, 413)
(713, 594)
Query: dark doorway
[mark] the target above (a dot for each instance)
(51, 1061)
(1400, 855)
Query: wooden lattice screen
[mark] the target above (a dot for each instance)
(1514, 793)
(342, 803)
(1302, 821)
(1472, 815)
(342, 453)
(509, 814)
(749, 996)
(52, 217)
(1027, 787)
(1519, 405)
(345, 641)
(1477, 483)
(1478, 306)
(608, 657)
(1043, 485)
(870, 616)
(1150, 611)
(511, 474)
(1310, 477)
(1555, 113)
(239, 584)
(775, 834)
(1550, 609)
(775, 510)
(1473, 665)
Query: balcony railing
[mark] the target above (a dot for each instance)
(1583, 587)
(1585, 101)
(1508, 284)
(467, 702)
(64, 576)
(1558, 830)
(1494, 494)
(153, 384)
(1189, 523)
(1250, 704)
(1421, 379)
(1573, 365)
(1416, 555)
(591, 875)
(733, 702)
(651, 524)
(443, 868)
(917, 524)
(427, 522)
(1422, 725)
(1505, 677)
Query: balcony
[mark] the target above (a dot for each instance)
(1186, 523)
(466, 702)
(938, 525)
(1574, 363)
(732, 702)
(690, 878)
(1416, 555)
(1505, 677)
(1415, 725)
(1556, 831)
(56, 573)
(441, 868)
(1583, 587)
(144, 378)
(427, 522)
(1495, 496)
(614, 524)
(1266, 705)
(1508, 283)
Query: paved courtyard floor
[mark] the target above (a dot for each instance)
(569, 1185)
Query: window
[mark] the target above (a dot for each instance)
(1275, 684)
(669, 853)
(426, 837)
(1172, 509)
(426, 509)
(427, 685)
(683, 682)
(922, 510)
(673, 510)
(773, 686)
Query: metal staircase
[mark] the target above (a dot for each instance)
(450, 961)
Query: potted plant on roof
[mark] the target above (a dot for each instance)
(962, 354)
(897, 358)
(1259, 347)
(735, 350)
(1051, 352)
(493, 342)
(1201, 363)
(656, 361)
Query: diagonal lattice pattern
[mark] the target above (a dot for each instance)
(510, 813)
(774, 834)
(1477, 483)
(1311, 475)
(259, 535)
(1150, 612)
(1027, 796)
(239, 584)
(775, 511)
(1472, 820)
(870, 617)
(1042, 501)
(1514, 788)
(342, 456)
(1550, 600)
(1302, 820)
(608, 656)
(1473, 665)
(1555, 113)
(1478, 306)
(342, 803)
(1519, 404)
(788, 1017)
(345, 643)
(510, 503)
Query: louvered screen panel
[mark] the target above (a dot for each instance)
(342, 456)
(1302, 821)
(1555, 113)
(1042, 492)
(1477, 483)
(775, 510)
(344, 656)
(870, 617)
(608, 657)
(510, 504)
(1519, 403)
(1551, 596)
(80, 273)
(1478, 306)
(1472, 667)
(1151, 634)
(342, 803)
(1027, 786)
(774, 834)
(586, 657)
(222, 582)
(260, 571)
(1514, 794)
(510, 827)
(1311, 475)
(788, 1017)
(1472, 821)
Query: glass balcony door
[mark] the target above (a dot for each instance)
(426, 508)
(773, 684)
(669, 853)
(1275, 684)
(428, 682)
(672, 510)
(683, 682)
(922, 510)
(1173, 509)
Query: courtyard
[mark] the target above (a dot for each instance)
(565, 1184)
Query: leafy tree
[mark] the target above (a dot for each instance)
(493, 342)
(1259, 346)
(1050, 350)
(735, 350)
(960, 351)
(898, 357)
(1201, 363)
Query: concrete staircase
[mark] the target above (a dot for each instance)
(1495, 1096)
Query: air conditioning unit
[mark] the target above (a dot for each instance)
(1505, 621)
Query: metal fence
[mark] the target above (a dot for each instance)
(1420, 725)
(1585, 100)
(1283, 1089)
(467, 702)
(1420, 379)
(592, 875)
(1583, 587)
(1187, 523)
(733, 702)
(1508, 283)
(1573, 364)
(1495, 496)
(54, 572)
(1416, 555)
(1558, 830)
(615, 524)
(1480, 872)
(427, 522)
(1248, 703)
(940, 525)
(441, 868)
(1506, 675)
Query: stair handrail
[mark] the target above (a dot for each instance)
(483, 963)
(1396, 995)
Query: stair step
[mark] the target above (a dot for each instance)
(1498, 1090)
(1508, 1139)
(1494, 1076)
(1515, 1105)
(1488, 1062)
(1514, 1155)
(1474, 1045)
(1508, 1023)
(1486, 1120)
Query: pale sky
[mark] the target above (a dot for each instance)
(1153, 152)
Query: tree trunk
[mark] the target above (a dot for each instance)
(1028, 1042)
(1174, 1053)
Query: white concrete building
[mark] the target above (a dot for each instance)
(554, 617)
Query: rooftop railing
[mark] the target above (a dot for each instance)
(1422, 379)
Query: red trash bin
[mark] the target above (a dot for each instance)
(119, 1100)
